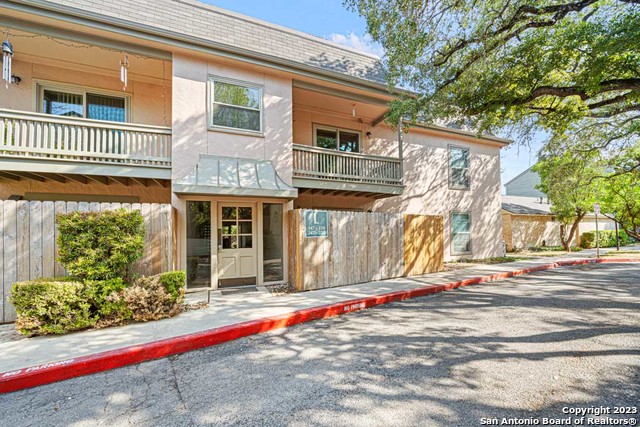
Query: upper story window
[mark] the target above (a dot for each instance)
(72, 101)
(336, 138)
(235, 105)
(459, 168)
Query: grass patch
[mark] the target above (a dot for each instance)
(635, 254)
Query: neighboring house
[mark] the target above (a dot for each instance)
(524, 184)
(527, 220)
(231, 120)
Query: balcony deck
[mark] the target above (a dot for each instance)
(48, 146)
(337, 172)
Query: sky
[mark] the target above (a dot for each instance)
(329, 19)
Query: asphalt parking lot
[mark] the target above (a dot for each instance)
(533, 347)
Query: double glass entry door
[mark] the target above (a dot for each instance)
(237, 239)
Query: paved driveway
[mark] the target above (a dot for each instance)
(526, 347)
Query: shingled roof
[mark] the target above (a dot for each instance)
(525, 205)
(235, 31)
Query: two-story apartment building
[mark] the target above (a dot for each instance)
(231, 120)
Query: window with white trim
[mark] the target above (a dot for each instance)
(459, 168)
(460, 233)
(336, 138)
(235, 105)
(72, 101)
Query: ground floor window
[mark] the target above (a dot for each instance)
(198, 244)
(460, 233)
(272, 238)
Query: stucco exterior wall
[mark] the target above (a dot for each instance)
(191, 135)
(427, 192)
(146, 99)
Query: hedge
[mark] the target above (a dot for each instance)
(100, 245)
(58, 306)
(607, 239)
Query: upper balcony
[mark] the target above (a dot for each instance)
(333, 172)
(38, 144)
(85, 109)
(341, 145)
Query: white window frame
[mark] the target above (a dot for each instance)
(337, 130)
(42, 85)
(470, 251)
(450, 169)
(211, 80)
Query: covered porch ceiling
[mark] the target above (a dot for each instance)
(339, 102)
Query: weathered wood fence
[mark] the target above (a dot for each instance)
(362, 247)
(28, 241)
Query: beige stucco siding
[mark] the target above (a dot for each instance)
(192, 137)
(426, 175)
(147, 105)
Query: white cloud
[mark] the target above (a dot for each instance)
(354, 41)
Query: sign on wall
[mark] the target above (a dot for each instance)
(316, 223)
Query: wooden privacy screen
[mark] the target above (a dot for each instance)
(360, 247)
(423, 244)
(28, 247)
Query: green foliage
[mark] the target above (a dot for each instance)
(100, 245)
(621, 197)
(55, 307)
(554, 249)
(505, 64)
(105, 298)
(174, 283)
(569, 183)
(607, 239)
(52, 306)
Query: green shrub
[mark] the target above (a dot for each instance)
(148, 299)
(107, 301)
(174, 283)
(51, 307)
(100, 245)
(607, 239)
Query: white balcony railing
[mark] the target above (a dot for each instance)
(27, 135)
(334, 165)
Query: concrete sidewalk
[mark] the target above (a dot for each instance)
(230, 310)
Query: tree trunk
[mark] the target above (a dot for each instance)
(566, 240)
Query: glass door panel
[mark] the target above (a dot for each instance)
(272, 241)
(198, 244)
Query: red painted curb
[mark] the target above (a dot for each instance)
(99, 362)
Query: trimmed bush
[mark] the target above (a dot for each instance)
(607, 239)
(51, 307)
(148, 299)
(100, 245)
(174, 283)
(107, 302)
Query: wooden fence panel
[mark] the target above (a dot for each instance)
(363, 247)
(29, 249)
(424, 244)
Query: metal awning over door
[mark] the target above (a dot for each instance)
(218, 175)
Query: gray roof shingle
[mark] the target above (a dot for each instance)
(525, 205)
(196, 19)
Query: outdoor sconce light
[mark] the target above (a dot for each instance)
(15, 80)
